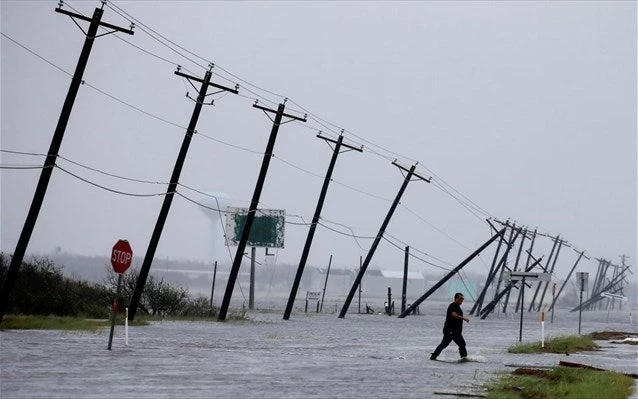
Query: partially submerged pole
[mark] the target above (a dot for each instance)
(325, 284)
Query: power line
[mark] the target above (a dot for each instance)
(414, 256)
(109, 189)
(322, 122)
(36, 54)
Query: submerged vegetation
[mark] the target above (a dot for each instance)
(561, 382)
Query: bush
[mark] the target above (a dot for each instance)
(42, 289)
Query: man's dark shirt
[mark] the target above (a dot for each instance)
(452, 324)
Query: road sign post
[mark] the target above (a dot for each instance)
(121, 259)
(522, 276)
(582, 278)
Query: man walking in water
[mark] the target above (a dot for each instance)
(453, 328)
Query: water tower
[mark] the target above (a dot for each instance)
(214, 206)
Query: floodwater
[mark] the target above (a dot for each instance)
(309, 356)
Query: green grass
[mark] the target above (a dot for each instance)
(561, 382)
(23, 322)
(559, 344)
(32, 322)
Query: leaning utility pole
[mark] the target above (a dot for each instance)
(529, 257)
(49, 163)
(377, 239)
(500, 266)
(555, 298)
(518, 257)
(172, 186)
(405, 279)
(250, 217)
(549, 259)
(490, 276)
(551, 272)
(514, 232)
(315, 219)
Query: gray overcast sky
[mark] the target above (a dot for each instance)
(527, 109)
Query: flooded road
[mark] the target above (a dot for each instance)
(310, 356)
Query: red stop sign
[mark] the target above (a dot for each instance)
(121, 256)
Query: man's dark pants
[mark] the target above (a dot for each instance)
(449, 336)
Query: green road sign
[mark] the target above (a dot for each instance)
(267, 229)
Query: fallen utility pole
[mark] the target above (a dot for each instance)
(250, 217)
(451, 273)
(315, 219)
(172, 186)
(377, 239)
(52, 155)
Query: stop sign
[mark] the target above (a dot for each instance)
(121, 256)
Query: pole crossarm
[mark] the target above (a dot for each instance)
(200, 80)
(88, 19)
(360, 149)
(301, 119)
(403, 168)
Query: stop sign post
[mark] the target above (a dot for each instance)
(121, 259)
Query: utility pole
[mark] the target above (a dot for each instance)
(52, 155)
(514, 232)
(405, 279)
(551, 272)
(315, 219)
(623, 258)
(518, 257)
(580, 255)
(360, 288)
(251, 290)
(250, 217)
(377, 239)
(549, 259)
(490, 276)
(172, 186)
(212, 290)
(529, 257)
(325, 284)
